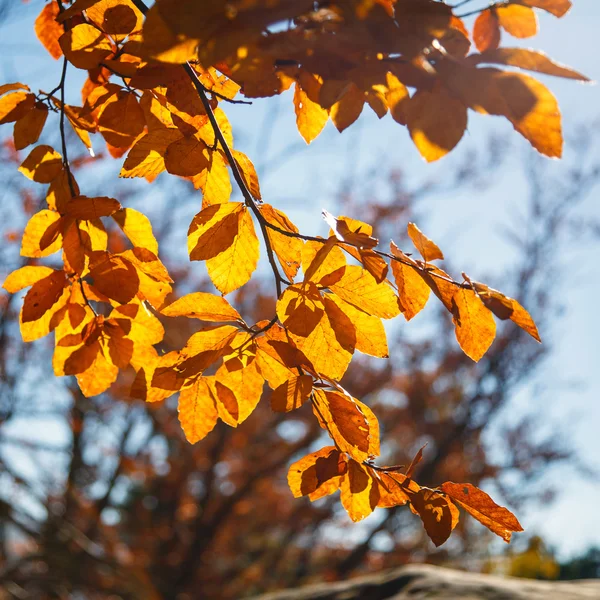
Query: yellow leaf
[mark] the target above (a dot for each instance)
(29, 127)
(146, 157)
(397, 98)
(48, 31)
(25, 277)
(214, 181)
(246, 384)
(300, 308)
(117, 18)
(323, 263)
(42, 165)
(311, 117)
(291, 394)
(428, 249)
(137, 227)
(358, 287)
(359, 491)
(197, 410)
(233, 267)
(413, 292)
(323, 349)
(474, 324)
(369, 330)
(356, 235)
(204, 306)
(42, 235)
(98, 377)
(46, 297)
(84, 46)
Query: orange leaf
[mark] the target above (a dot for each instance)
(348, 108)
(344, 233)
(428, 249)
(474, 324)
(300, 308)
(436, 121)
(519, 21)
(48, 31)
(213, 230)
(248, 173)
(287, 249)
(480, 506)
(524, 58)
(486, 31)
(556, 7)
(187, 157)
(197, 410)
(114, 276)
(413, 291)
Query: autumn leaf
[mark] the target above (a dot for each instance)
(204, 306)
(427, 249)
(197, 410)
(317, 474)
(311, 117)
(413, 291)
(137, 227)
(438, 513)
(474, 324)
(486, 30)
(291, 394)
(359, 492)
(480, 506)
(42, 165)
(85, 46)
(29, 127)
(48, 31)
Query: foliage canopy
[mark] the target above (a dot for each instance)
(157, 80)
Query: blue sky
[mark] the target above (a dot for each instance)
(309, 182)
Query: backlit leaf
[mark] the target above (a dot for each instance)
(359, 491)
(197, 410)
(137, 227)
(42, 165)
(204, 306)
(480, 506)
(427, 249)
(474, 324)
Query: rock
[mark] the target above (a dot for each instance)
(427, 582)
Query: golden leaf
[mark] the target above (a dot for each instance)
(474, 324)
(291, 394)
(287, 249)
(48, 31)
(29, 127)
(427, 249)
(204, 306)
(519, 21)
(146, 157)
(197, 410)
(233, 267)
(359, 491)
(42, 235)
(137, 227)
(84, 46)
(413, 292)
(311, 117)
(25, 277)
(358, 287)
(313, 472)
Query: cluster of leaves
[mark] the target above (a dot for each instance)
(175, 67)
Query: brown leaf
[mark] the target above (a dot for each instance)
(291, 394)
(480, 506)
(486, 31)
(309, 475)
(437, 513)
(29, 128)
